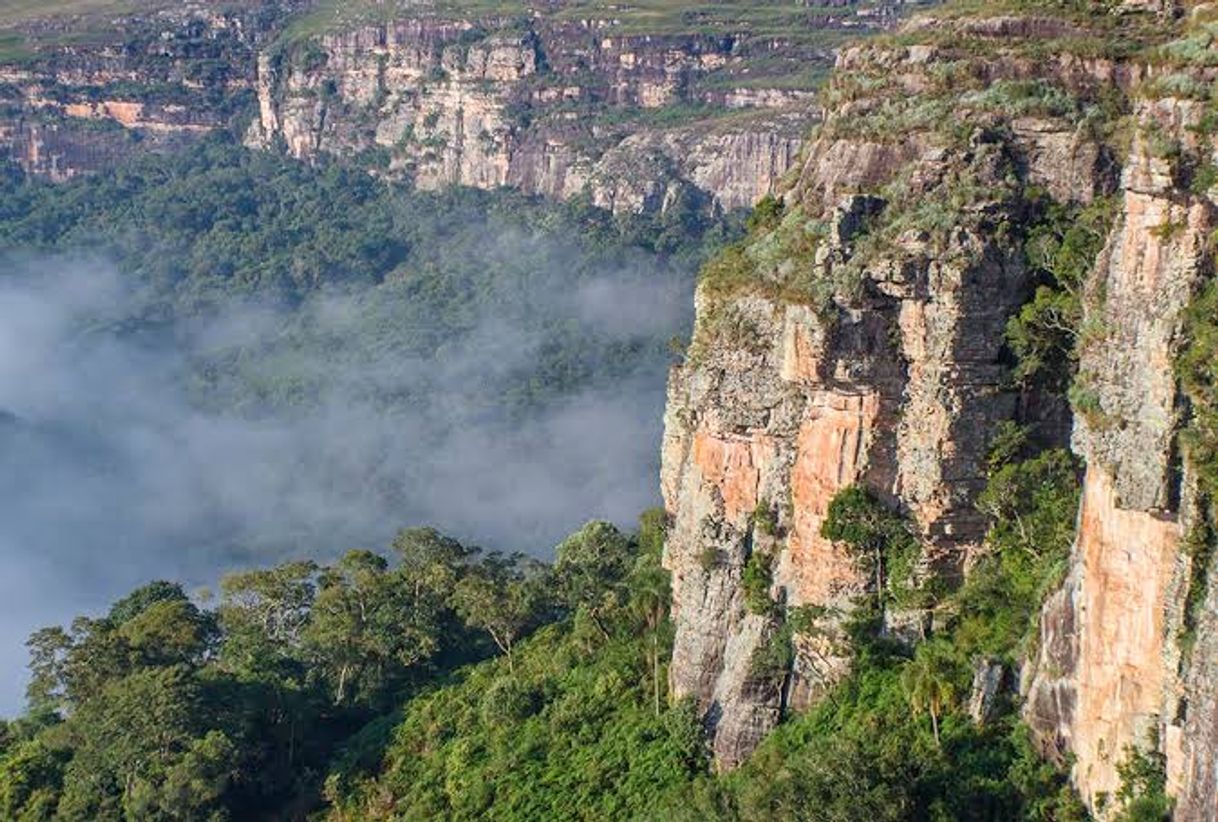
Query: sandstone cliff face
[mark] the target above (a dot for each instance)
(1112, 673)
(165, 80)
(485, 104)
(895, 382)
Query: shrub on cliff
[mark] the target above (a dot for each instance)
(1061, 247)
(1032, 505)
(882, 543)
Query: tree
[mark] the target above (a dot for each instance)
(589, 565)
(1143, 793)
(429, 561)
(263, 614)
(145, 733)
(880, 539)
(930, 680)
(503, 596)
(142, 598)
(650, 587)
(31, 778)
(1045, 486)
(169, 632)
(358, 634)
(48, 649)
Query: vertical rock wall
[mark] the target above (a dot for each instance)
(445, 102)
(783, 403)
(1111, 674)
(897, 381)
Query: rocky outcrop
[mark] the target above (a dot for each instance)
(1112, 674)
(154, 82)
(858, 341)
(558, 109)
(866, 349)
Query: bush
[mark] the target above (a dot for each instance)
(755, 582)
(1061, 248)
(881, 541)
(772, 659)
(765, 519)
(1032, 506)
(1142, 796)
(766, 214)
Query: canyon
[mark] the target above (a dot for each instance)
(857, 338)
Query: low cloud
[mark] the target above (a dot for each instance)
(119, 467)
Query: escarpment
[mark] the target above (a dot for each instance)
(637, 111)
(556, 108)
(861, 337)
(1117, 667)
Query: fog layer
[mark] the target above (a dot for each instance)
(181, 449)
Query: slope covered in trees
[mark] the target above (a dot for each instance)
(297, 359)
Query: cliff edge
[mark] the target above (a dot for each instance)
(861, 337)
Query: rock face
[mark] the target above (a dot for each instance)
(557, 109)
(636, 114)
(862, 344)
(177, 74)
(893, 381)
(1112, 673)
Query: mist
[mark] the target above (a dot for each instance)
(136, 450)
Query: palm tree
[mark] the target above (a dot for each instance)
(929, 680)
(650, 594)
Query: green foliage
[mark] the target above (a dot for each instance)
(571, 730)
(755, 582)
(1061, 247)
(882, 543)
(766, 215)
(1032, 505)
(931, 680)
(1197, 368)
(504, 596)
(1008, 442)
(857, 755)
(765, 519)
(570, 735)
(197, 232)
(1200, 545)
(161, 709)
(1142, 796)
(776, 260)
(772, 658)
(589, 564)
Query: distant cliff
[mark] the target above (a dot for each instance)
(859, 337)
(637, 114)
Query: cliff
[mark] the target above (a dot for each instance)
(553, 108)
(1115, 668)
(80, 92)
(859, 337)
(635, 109)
